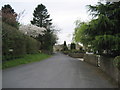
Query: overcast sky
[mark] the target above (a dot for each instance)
(63, 12)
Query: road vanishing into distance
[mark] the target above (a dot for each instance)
(59, 71)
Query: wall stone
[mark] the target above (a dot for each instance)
(105, 64)
(91, 58)
(76, 55)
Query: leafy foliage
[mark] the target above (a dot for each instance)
(65, 48)
(20, 44)
(41, 16)
(31, 30)
(47, 40)
(9, 16)
(41, 19)
(73, 46)
(101, 34)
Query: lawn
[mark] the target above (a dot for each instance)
(26, 59)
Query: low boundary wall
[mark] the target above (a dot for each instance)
(105, 64)
(76, 55)
(92, 59)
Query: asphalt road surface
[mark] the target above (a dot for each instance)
(59, 71)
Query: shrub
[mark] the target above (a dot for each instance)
(73, 46)
(15, 44)
(12, 39)
(32, 45)
(65, 48)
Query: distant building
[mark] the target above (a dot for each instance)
(69, 46)
(77, 47)
(57, 47)
(60, 47)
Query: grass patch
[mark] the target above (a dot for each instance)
(26, 59)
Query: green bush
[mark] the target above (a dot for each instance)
(13, 39)
(65, 48)
(32, 45)
(72, 46)
(117, 62)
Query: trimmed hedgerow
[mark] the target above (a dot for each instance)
(15, 44)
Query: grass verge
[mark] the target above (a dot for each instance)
(26, 59)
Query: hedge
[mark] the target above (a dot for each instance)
(13, 39)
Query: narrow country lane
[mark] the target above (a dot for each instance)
(59, 71)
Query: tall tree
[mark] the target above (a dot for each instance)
(102, 32)
(72, 46)
(9, 16)
(48, 39)
(107, 27)
(41, 16)
(42, 19)
(65, 46)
